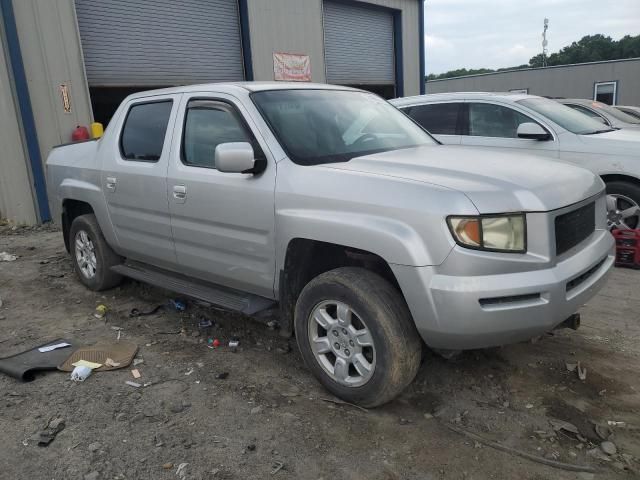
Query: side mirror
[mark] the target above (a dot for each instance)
(234, 157)
(532, 131)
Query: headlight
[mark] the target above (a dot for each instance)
(498, 233)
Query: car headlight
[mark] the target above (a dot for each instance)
(497, 233)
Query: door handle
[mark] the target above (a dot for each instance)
(111, 184)
(180, 193)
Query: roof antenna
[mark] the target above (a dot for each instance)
(544, 42)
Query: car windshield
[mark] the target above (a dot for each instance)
(615, 113)
(326, 126)
(566, 117)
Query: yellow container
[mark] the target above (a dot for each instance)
(97, 130)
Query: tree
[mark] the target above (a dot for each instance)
(590, 48)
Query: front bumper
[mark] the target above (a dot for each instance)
(465, 312)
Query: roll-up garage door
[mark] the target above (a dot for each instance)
(160, 42)
(359, 46)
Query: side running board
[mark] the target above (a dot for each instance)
(232, 299)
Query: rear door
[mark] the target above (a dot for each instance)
(134, 179)
(442, 120)
(495, 125)
(223, 223)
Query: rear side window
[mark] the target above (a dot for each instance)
(208, 124)
(437, 118)
(144, 130)
(489, 120)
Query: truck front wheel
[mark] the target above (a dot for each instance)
(92, 256)
(356, 334)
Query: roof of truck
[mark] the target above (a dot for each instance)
(244, 86)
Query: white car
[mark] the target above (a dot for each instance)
(545, 127)
(629, 110)
(602, 112)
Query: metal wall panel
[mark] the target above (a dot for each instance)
(359, 46)
(290, 26)
(160, 42)
(16, 196)
(571, 81)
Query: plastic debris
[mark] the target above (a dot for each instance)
(137, 361)
(81, 373)
(233, 345)
(132, 384)
(179, 304)
(189, 372)
(614, 423)
(101, 311)
(204, 322)
(276, 467)
(49, 348)
(7, 257)
(582, 372)
(571, 367)
(213, 343)
(181, 471)
(136, 373)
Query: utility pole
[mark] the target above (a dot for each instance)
(544, 42)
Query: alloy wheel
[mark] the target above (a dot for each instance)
(342, 343)
(623, 213)
(85, 254)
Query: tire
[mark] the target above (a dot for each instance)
(395, 351)
(626, 193)
(94, 271)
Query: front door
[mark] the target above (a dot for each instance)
(134, 179)
(223, 223)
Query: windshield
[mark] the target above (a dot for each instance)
(615, 113)
(325, 126)
(566, 117)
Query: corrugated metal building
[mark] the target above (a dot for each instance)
(67, 62)
(615, 82)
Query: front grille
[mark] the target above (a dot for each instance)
(573, 227)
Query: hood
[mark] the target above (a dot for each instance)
(495, 181)
(625, 141)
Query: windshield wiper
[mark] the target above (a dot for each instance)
(603, 130)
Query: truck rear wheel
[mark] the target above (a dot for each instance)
(92, 256)
(356, 334)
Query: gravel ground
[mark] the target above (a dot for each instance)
(270, 419)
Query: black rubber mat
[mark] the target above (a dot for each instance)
(23, 366)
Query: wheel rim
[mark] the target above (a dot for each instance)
(623, 213)
(342, 343)
(86, 254)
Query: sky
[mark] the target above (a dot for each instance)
(506, 33)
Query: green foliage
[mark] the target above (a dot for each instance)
(591, 48)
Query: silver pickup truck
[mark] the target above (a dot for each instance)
(328, 202)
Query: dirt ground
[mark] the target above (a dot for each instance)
(270, 419)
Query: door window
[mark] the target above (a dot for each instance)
(207, 124)
(144, 130)
(437, 118)
(489, 120)
(605, 92)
